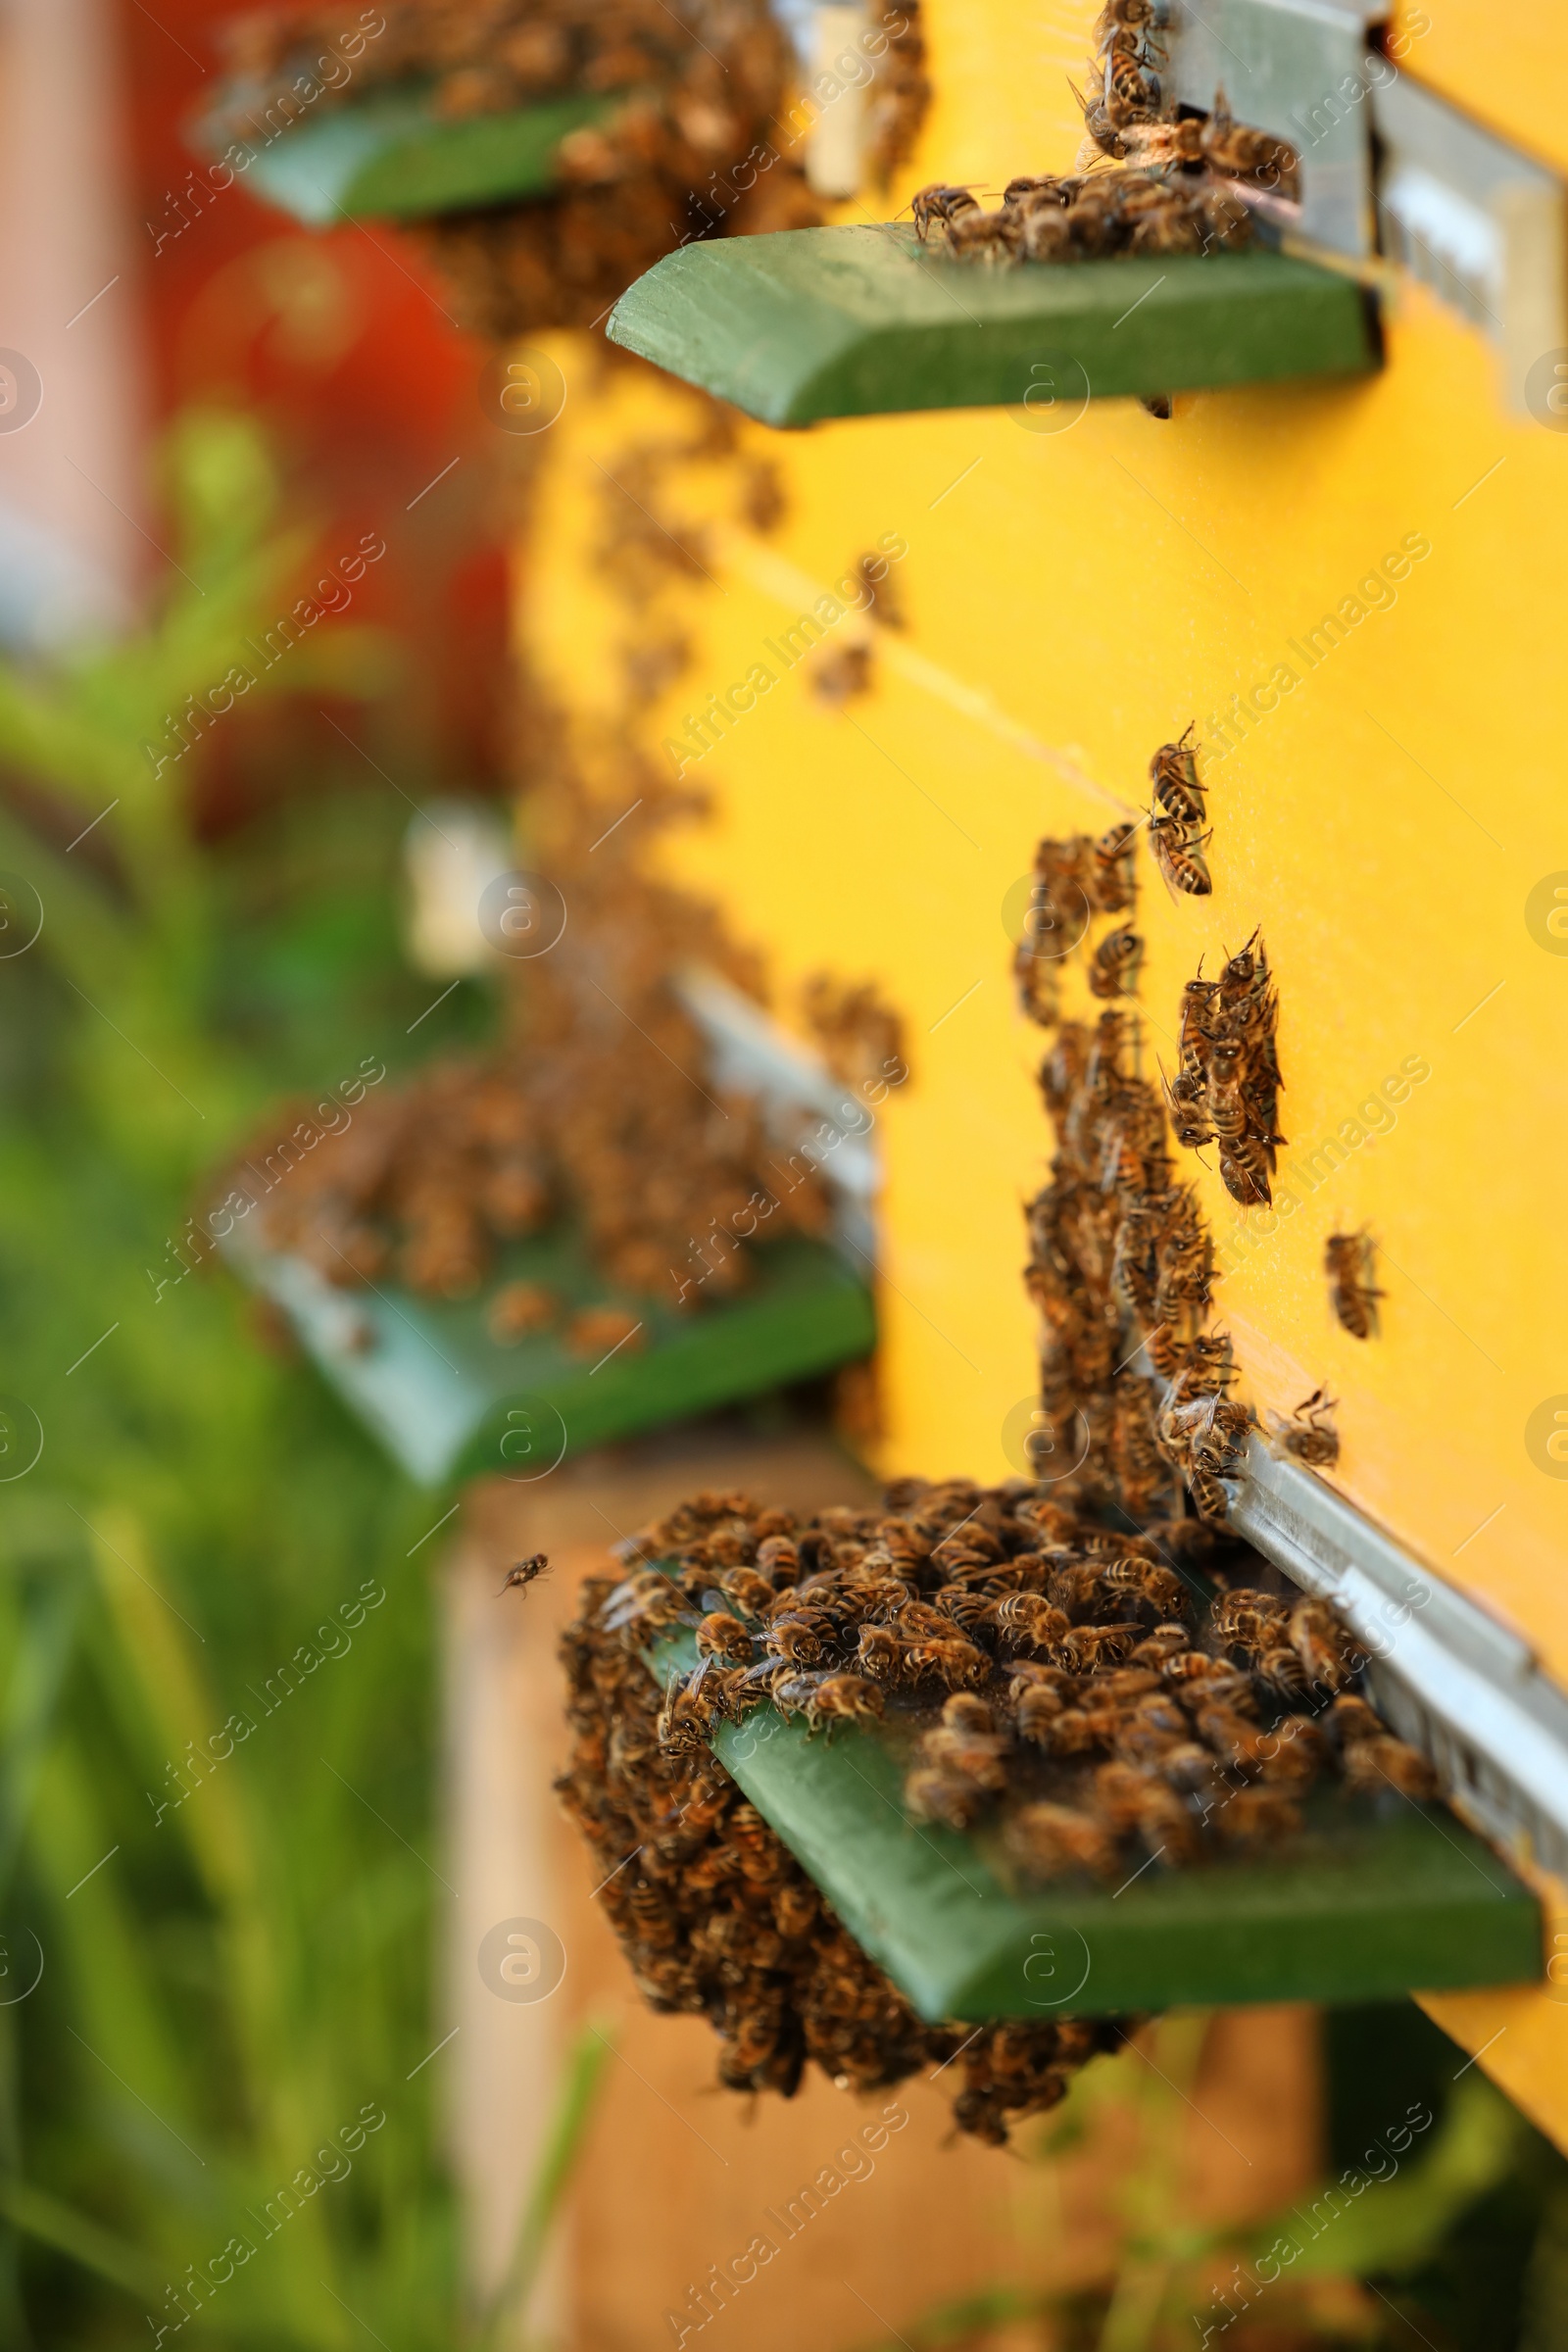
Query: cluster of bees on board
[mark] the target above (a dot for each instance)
(590, 1111)
(688, 144)
(1152, 177)
(1088, 1699)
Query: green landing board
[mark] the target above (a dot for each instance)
(1367, 1904)
(857, 322)
(446, 1401)
(390, 155)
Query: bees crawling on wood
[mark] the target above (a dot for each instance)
(1177, 822)
(1347, 1262)
(940, 205)
(1308, 1435)
(1171, 204)
(1186, 181)
(1106, 1711)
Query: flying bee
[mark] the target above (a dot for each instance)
(528, 1571)
(940, 203)
(1308, 1435)
(1348, 1263)
(1048, 1840)
(1113, 967)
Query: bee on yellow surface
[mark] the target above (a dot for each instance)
(1348, 1263)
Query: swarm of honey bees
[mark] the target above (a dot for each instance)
(687, 148)
(1180, 181)
(1226, 1090)
(715, 1915)
(596, 1107)
(1082, 1697)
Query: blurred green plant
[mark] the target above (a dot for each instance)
(235, 1953)
(1352, 2261)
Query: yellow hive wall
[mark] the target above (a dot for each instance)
(1074, 598)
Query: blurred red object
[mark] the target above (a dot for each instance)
(341, 342)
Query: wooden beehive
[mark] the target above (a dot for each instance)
(1340, 582)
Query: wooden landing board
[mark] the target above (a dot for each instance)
(391, 156)
(816, 322)
(446, 1401)
(1367, 1903)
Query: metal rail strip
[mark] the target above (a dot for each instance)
(1452, 1680)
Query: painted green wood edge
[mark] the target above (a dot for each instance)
(806, 1313)
(1368, 1904)
(815, 322)
(432, 1386)
(389, 156)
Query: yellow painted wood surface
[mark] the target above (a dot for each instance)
(1074, 597)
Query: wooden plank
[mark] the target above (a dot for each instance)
(391, 156)
(855, 321)
(677, 2176)
(1366, 1903)
(447, 1401)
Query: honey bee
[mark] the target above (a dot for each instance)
(940, 203)
(1246, 1619)
(1025, 1621)
(1047, 1838)
(1113, 967)
(880, 1654)
(1179, 854)
(937, 1793)
(1173, 771)
(747, 1590)
(1319, 1644)
(1254, 157)
(1115, 886)
(1372, 1766)
(844, 1699)
(1292, 1756)
(1160, 1587)
(1258, 1816)
(1348, 1263)
(723, 1635)
(948, 1661)
(1308, 1435)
